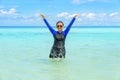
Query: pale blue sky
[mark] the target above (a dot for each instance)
(92, 12)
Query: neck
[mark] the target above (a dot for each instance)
(60, 31)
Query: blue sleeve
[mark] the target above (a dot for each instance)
(49, 27)
(69, 26)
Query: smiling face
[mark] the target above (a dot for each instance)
(59, 26)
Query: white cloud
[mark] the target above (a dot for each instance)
(37, 14)
(12, 17)
(65, 15)
(85, 1)
(115, 17)
(85, 18)
(91, 16)
(3, 12)
(10, 11)
(113, 14)
(76, 1)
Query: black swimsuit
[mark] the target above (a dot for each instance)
(58, 49)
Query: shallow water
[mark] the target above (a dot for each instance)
(91, 54)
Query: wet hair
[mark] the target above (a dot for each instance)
(60, 22)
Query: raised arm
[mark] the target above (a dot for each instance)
(48, 25)
(70, 24)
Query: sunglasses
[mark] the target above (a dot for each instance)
(59, 26)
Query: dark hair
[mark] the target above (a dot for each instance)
(60, 22)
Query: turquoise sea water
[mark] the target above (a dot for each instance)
(91, 54)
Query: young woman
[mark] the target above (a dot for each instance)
(58, 49)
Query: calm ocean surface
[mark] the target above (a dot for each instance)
(91, 54)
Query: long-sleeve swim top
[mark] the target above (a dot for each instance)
(65, 32)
